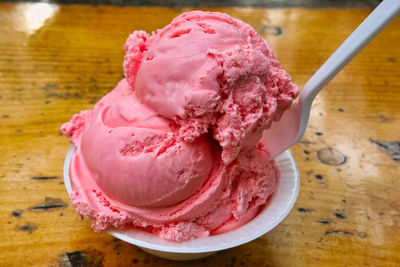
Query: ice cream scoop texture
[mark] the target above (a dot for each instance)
(174, 149)
(216, 72)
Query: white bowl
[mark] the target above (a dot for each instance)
(277, 209)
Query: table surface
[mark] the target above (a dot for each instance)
(56, 60)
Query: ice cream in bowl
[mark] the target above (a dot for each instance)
(172, 159)
(269, 216)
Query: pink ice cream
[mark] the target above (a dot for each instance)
(173, 149)
(216, 72)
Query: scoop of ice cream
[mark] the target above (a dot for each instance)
(135, 157)
(232, 195)
(130, 169)
(173, 149)
(207, 70)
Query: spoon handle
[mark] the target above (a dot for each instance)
(385, 12)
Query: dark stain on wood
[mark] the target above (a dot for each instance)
(338, 232)
(331, 156)
(17, 213)
(392, 149)
(383, 118)
(134, 261)
(6, 116)
(340, 215)
(49, 203)
(340, 109)
(319, 133)
(391, 59)
(319, 176)
(64, 95)
(204, 261)
(362, 235)
(324, 222)
(41, 178)
(304, 210)
(81, 258)
(28, 227)
(117, 246)
(271, 30)
(233, 260)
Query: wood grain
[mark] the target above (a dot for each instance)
(348, 210)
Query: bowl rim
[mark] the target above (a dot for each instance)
(189, 246)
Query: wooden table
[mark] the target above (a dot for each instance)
(56, 60)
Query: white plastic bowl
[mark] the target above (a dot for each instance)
(277, 209)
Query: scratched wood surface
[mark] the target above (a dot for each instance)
(57, 60)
